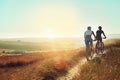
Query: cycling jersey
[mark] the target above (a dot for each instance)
(88, 38)
(88, 32)
(98, 35)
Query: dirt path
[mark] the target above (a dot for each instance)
(73, 72)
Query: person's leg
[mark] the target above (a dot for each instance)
(101, 45)
(87, 43)
(91, 44)
(100, 40)
(97, 46)
(97, 42)
(87, 46)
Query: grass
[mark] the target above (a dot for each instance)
(36, 66)
(21, 46)
(48, 70)
(108, 69)
(41, 65)
(41, 44)
(19, 60)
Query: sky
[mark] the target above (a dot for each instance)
(57, 18)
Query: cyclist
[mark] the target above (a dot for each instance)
(100, 44)
(88, 39)
(99, 33)
(87, 35)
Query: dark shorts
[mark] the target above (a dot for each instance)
(99, 39)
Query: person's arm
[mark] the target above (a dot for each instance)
(94, 35)
(84, 35)
(104, 34)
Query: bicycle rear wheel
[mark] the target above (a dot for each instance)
(102, 47)
(89, 54)
(99, 47)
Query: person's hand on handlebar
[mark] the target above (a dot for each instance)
(105, 37)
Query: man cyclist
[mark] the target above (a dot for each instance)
(99, 33)
(88, 39)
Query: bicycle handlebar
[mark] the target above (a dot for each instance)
(102, 38)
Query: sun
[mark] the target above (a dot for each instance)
(51, 36)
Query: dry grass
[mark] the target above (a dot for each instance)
(42, 65)
(48, 70)
(109, 69)
(19, 60)
(37, 66)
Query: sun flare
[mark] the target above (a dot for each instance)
(62, 21)
(51, 36)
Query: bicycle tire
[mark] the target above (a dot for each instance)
(99, 47)
(89, 54)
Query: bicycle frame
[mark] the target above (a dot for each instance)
(99, 47)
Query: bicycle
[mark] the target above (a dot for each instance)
(99, 47)
(89, 52)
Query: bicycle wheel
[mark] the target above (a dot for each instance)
(89, 54)
(102, 47)
(99, 47)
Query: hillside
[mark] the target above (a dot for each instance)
(108, 69)
(57, 64)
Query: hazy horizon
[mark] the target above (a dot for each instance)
(108, 36)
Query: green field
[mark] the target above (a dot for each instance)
(42, 44)
(21, 46)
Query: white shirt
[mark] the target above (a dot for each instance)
(88, 32)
